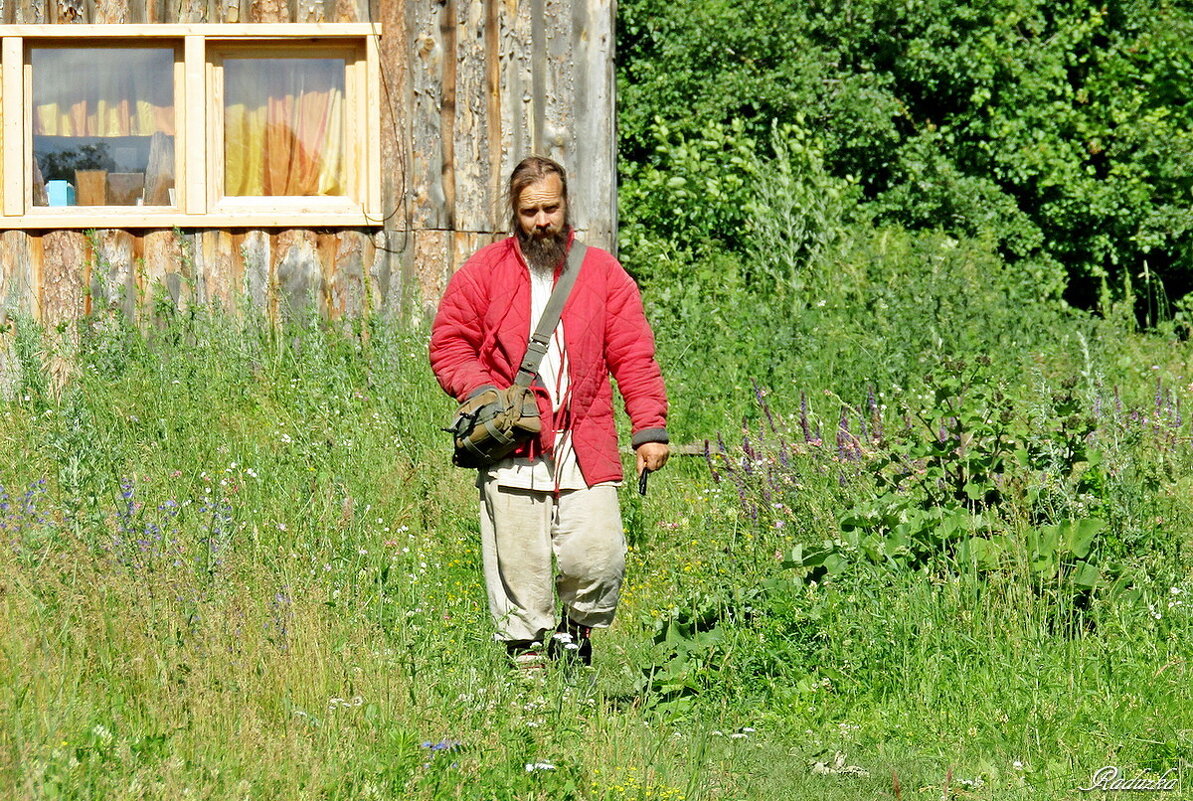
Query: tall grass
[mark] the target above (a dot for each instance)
(237, 564)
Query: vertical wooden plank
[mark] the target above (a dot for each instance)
(594, 184)
(31, 12)
(64, 265)
(194, 118)
(346, 10)
(113, 283)
(389, 271)
(473, 201)
(373, 101)
(396, 98)
(65, 12)
(16, 290)
(254, 252)
(517, 99)
(14, 135)
(18, 286)
(112, 11)
(447, 111)
(219, 263)
(538, 57)
(432, 259)
(227, 11)
(299, 275)
(427, 158)
(344, 276)
(166, 271)
(310, 11)
(493, 112)
(268, 11)
(555, 119)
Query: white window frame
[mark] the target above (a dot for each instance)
(198, 145)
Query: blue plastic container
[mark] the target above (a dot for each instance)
(60, 193)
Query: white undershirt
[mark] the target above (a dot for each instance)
(558, 471)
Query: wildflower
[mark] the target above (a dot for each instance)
(531, 767)
(442, 745)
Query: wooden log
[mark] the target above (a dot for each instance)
(112, 11)
(299, 275)
(256, 267)
(65, 259)
(347, 10)
(165, 275)
(219, 267)
(113, 283)
(31, 12)
(18, 283)
(344, 275)
(268, 11)
(432, 260)
(65, 12)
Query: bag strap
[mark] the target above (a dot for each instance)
(540, 340)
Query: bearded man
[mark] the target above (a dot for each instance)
(554, 499)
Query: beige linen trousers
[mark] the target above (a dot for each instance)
(535, 544)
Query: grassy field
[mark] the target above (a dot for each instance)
(237, 564)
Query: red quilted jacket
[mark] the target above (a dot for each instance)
(480, 333)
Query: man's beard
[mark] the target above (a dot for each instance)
(543, 254)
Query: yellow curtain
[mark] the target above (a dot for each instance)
(283, 126)
(103, 91)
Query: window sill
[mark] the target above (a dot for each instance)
(137, 217)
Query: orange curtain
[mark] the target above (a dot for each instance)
(283, 126)
(103, 91)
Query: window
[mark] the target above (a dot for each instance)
(191, 125)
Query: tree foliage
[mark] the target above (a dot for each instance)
(1062, 132)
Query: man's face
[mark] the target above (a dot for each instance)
(542, 212)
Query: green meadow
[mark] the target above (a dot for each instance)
(918, 275)
(238, 564)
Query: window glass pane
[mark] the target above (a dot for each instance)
(283, 126)
(103, 126)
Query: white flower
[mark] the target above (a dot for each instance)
(738, 736)
(531, 767)
(1175, 590)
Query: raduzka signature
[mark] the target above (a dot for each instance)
(1111, 779)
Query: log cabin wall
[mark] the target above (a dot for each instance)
(469, 87)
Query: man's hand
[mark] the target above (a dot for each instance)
(652, 456)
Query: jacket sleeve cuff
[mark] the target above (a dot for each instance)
(478, 390)
(649, 435)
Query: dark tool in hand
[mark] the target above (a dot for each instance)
(645, 474)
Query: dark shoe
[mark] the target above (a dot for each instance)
(525, 655)
(571, 642)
